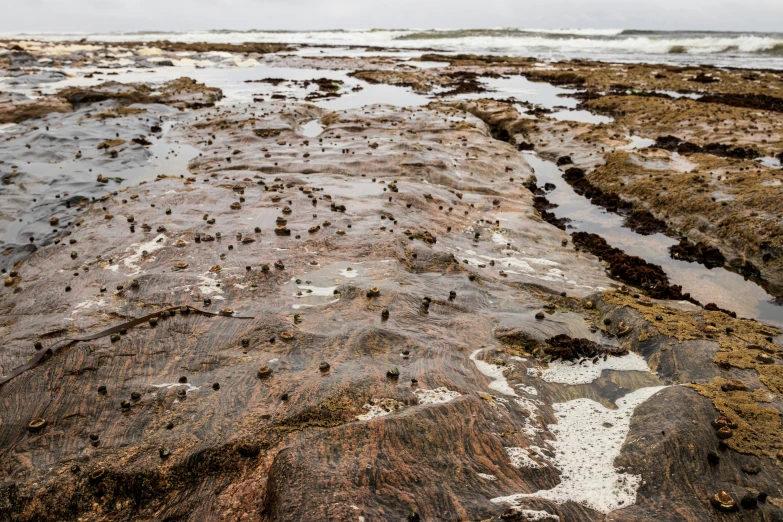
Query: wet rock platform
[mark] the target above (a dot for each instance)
(362, 318)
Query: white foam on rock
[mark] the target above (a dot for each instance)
(521, 458)
(532, 424)
(570, 372)
(132, 261)
(532, 515)
(436, 396)
(527, 389)
(487, 476)
(589, 438)
(379, 408)
(499, 383)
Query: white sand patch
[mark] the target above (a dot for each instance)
(132, 262)
(520, 458)
(499, 383)
(380, 408)
(571, 372)
(436, 396)
(589, 438)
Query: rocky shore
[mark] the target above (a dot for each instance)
(271, 307)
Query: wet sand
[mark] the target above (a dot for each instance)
(280, 291)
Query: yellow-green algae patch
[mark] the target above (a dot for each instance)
(742, 344)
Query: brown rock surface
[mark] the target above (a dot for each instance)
(397, 390)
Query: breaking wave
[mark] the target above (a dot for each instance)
(751, 49)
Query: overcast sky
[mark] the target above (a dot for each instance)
(156, 15)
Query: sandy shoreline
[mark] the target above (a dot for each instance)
(398, 323)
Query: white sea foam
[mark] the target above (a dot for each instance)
(571, 372)
(531, 515)
(532, 421)
(379, 408)
(589, 438)
(521, 458)
(436, 396)
(499, 383)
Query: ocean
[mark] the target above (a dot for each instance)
(723, 49)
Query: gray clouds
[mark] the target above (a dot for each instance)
(181, 15)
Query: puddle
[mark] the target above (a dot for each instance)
(311, 129)
(376, 95)
(538, 93)
(580, 116)
(48, 184)
(240, 84)
(675, 94)
(773, 163)
(637, 142)
(426, 65)
(722, 287)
